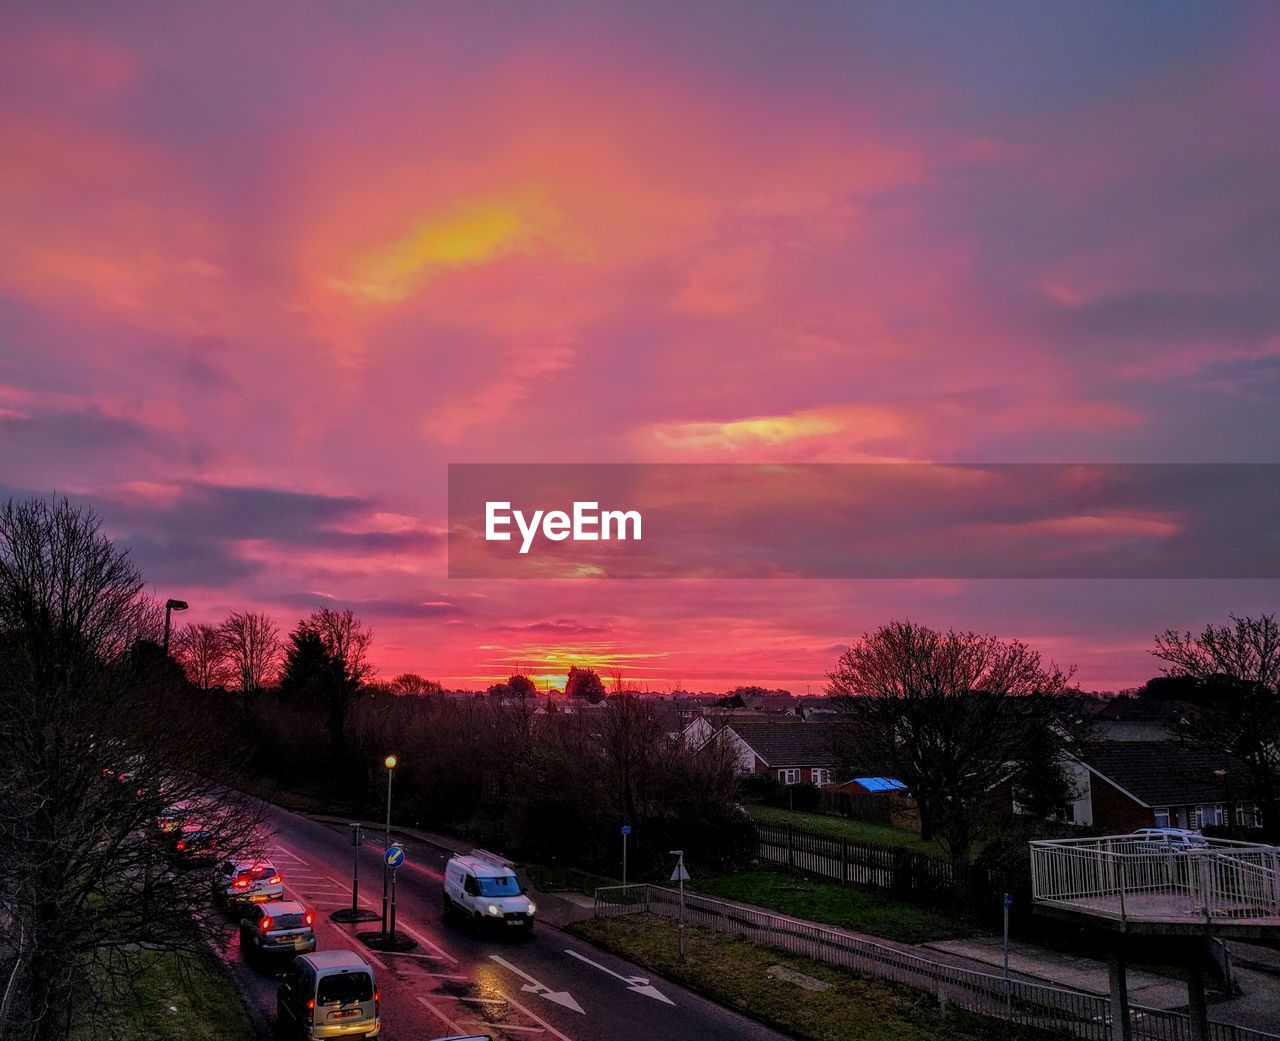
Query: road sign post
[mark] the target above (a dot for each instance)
(392, 860)
(680, 876)
(626, 830)
(357, 837)
(1008, 996)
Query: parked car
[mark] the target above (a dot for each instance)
(329, 994)
(482, 887)
(249, 882)
(194, 843)
(1163, 840)
(277, 927)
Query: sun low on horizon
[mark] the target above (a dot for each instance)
(254, 302)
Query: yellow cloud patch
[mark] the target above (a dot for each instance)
(470, 236)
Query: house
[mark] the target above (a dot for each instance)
(794, 751)
(1125, 785)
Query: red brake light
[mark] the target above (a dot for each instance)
(311, 1005)
(265, 924)
(275, 880)
(377, 1001)
(182, 844)
(309, 917)
(241, 883)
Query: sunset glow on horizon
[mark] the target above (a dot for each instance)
(265, 276)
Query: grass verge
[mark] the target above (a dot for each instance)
(848, 907)
(561, 879)
(173, 997)
(847, 828)
(737, 974)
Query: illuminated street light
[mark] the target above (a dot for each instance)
(169, 606)
(390, 763)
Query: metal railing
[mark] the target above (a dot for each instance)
(1143, 878)
(1038, 1005)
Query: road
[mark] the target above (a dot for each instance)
(548, 986)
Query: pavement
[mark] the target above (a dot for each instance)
(545, 986)
(1064, 970)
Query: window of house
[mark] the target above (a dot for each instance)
(1249, 815)
(820, 776)
(1209, 816)
(789, 776)
(1162, 816)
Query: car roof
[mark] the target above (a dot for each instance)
(481, 866)
(254, 862)
(324, 960)
(282, 907)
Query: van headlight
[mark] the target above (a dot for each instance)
(494, 909)
(532, 907)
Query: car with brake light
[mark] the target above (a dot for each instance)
(249, 882)
(277, 927)
(329, 994)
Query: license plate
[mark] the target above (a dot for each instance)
(514, 921)
(287, 939)
(345, 1013)
(259, 898)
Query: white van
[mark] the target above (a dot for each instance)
(482, 887)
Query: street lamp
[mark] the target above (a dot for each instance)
(390, 763)
(171, 605)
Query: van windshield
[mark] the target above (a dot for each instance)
(507, 886)
(344, 988)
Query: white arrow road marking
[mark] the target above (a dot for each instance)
(560, 997)
(639, 984)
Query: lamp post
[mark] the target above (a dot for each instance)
(390, 763)
(169, 606)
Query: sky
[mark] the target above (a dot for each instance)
(265, 272)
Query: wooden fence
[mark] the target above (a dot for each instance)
(905, 873)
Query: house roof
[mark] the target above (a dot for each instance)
(1167, 773)
(782, 742)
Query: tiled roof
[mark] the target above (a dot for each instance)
(793, 742)
(1167, 773)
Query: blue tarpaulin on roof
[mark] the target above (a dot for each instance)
(880, 784)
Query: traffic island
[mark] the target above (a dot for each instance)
(350, 915)
(395, 943)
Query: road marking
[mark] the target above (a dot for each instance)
(509, 1026)
(480, 1001)
(537, 1019)
(441, 1016)
(560, 997)
(418, 954)
(638, 984)
(423, 940)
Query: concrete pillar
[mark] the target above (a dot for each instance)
(1120, 1030)
(1197, 1006)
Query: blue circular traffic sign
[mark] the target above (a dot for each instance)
(394, 856)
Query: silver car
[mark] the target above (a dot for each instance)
(249, 882)
(329, 994)
(278, 927)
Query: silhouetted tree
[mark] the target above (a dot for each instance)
(1234, 670)
(98, 735)
(253, 651)
(585, 685)
(202, 651)
(522, 687)
(333, 648)
(952, 713)
(412, 683)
